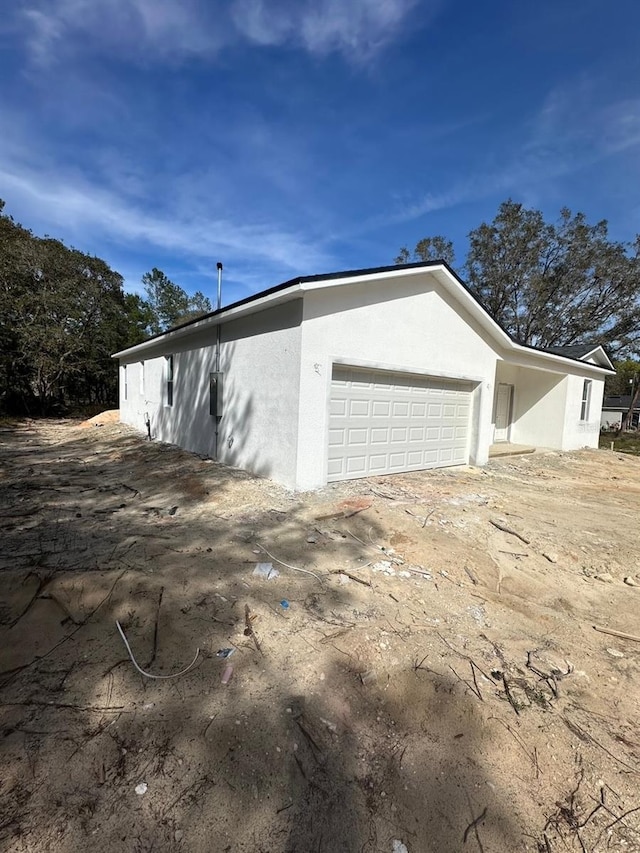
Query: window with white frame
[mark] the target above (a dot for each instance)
(142, 378)
(125, 387)
(586, 400)
(169, 376)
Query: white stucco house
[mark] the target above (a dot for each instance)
(355, 374)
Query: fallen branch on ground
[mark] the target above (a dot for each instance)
(248, 630)
(473, 825)
(349, 575)
(42, 582)
(509, 530)
(155, 630)
(512, 701)
(12, 673)
(620, 634)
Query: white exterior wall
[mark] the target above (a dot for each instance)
(261, 365)
(260, 359)
(540, 404)
(186, 423)
(579, 433)
(398, 324)
(537, 405)
(546, 407)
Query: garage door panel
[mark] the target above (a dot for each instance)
(337, 438)
(335, 470)
(378, 462)
(380, 409)
(356, 464)
(358, 408)
(338, 408)
(391, 422)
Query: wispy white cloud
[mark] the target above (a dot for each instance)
(577, 123)
(152, 30)
(575, 127)
(90, 214)
(147, 30)
(357, 28)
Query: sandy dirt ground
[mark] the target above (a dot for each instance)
(423, 675)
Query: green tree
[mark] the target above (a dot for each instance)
(556, 284)
(16, 261)
(626, 378)
(62, 314)
(553, 284)
(139, 317)
(170, 305)
(428, 249)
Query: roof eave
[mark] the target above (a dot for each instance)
(532, 352)
(224, 315)
(289, 289)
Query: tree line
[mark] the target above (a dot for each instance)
(63, 313)
(553, 283)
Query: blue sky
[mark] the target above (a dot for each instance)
(294, 137)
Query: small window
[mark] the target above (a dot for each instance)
(124, 382)
(169, 369)
(142, 378)
(586, 400)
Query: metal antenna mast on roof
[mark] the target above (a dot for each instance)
(219, 306)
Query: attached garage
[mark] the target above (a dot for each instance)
(385, 422)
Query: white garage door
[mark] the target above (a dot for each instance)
(384, 423)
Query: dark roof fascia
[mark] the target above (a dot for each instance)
(312, 279)
(254, 298)
(334, 276)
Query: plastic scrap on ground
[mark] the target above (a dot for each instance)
(266, 571)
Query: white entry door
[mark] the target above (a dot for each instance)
(382, 423)
(503, 412)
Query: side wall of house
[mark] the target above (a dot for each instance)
(401, 324)
(578, 433)
(186, 422)
(261, 364)
(259, 359)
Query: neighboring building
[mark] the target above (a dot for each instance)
(355, 374)
(613, 411)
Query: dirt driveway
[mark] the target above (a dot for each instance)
(422, 675)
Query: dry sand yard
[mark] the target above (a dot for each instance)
(431, 682)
